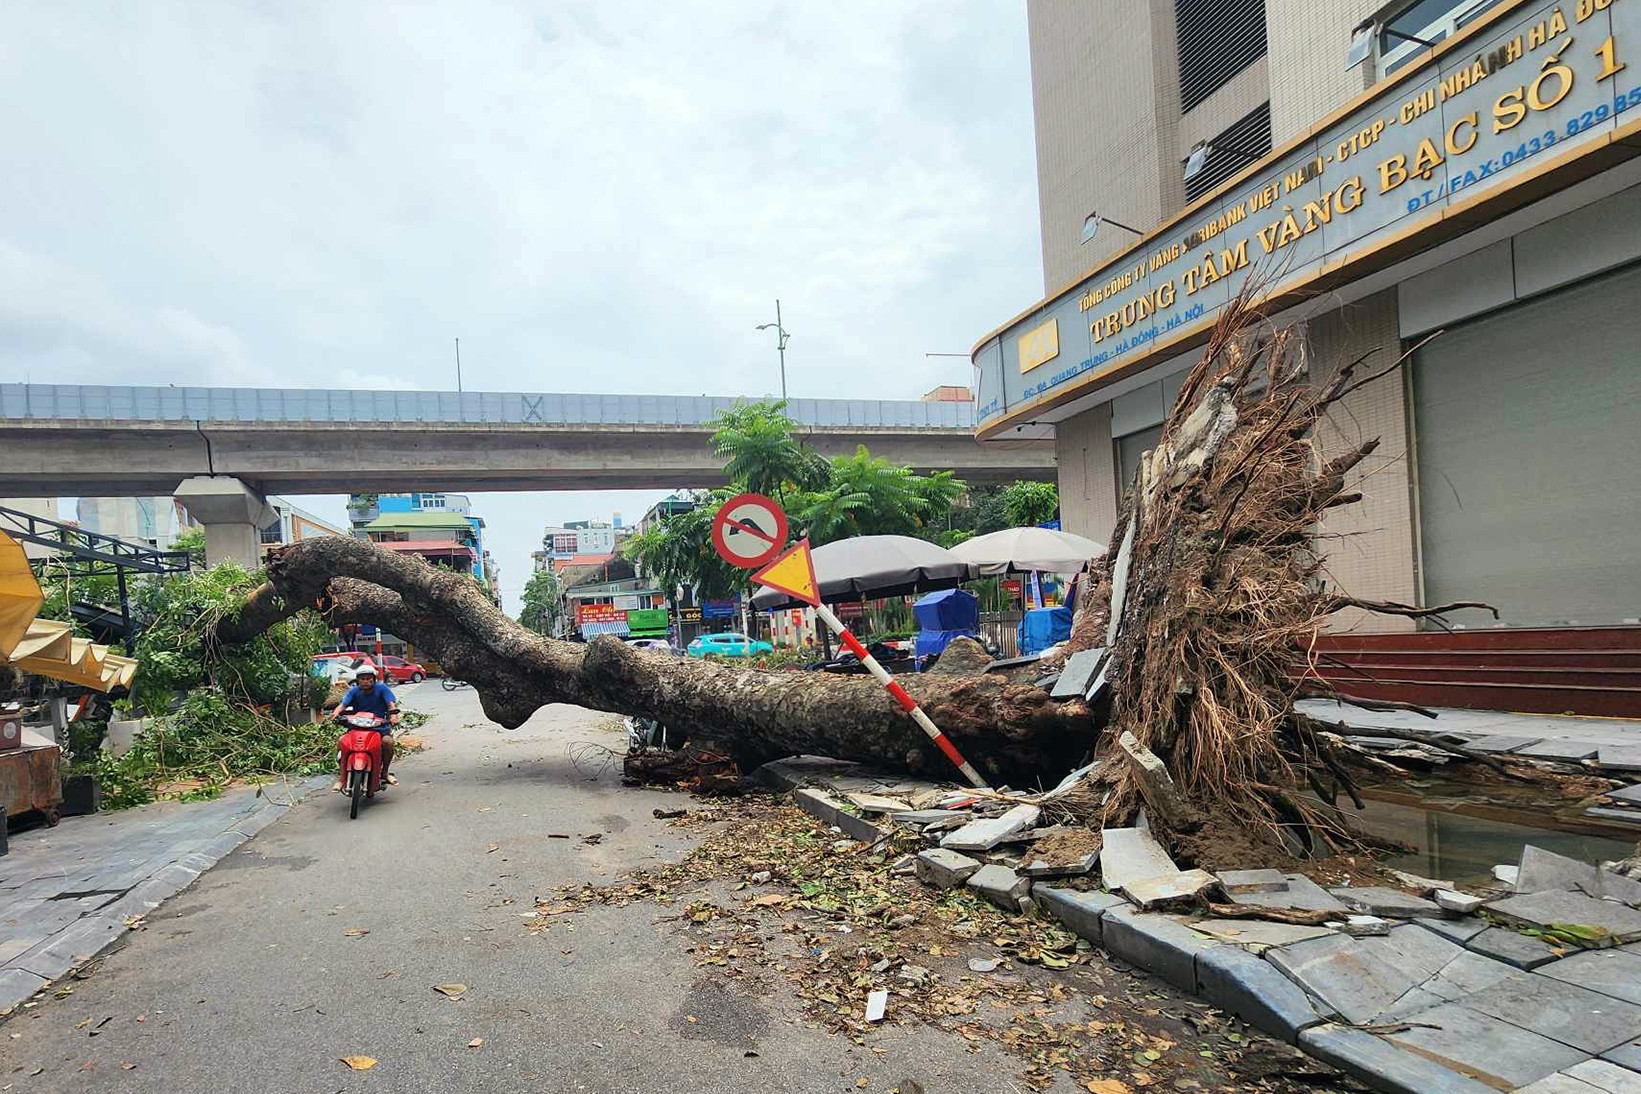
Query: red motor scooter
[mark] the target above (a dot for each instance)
(361, 752)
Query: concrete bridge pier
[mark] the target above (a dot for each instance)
(233, 515)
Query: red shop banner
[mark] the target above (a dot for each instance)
(599, 613)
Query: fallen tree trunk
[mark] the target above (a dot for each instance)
(1013, 732)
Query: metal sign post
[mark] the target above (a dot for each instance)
(793, 573)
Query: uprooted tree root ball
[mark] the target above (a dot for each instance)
(1220, 593)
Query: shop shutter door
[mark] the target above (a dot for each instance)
(1529, 458)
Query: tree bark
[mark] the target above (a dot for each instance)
(1013, 732)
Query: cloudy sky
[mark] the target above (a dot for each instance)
(594, 196)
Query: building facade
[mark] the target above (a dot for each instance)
(561, 542)
(1467, 167)
(426, 510)
(157, 521)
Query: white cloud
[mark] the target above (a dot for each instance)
(600, 195)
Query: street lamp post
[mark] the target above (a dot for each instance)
(781, 337)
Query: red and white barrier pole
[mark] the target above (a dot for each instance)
(907, 703)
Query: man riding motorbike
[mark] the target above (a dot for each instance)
(368, 695)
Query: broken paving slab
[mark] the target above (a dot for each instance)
(1463, 976)
(1627, 1055)
(1513, 948)
(17, 986)
(1239, 982)
(1000, 885)
(1253, 881)
(1610, 972)
(1360, 978)
(829, 810)
(1257, 935)
(1382, 901)
(1620, 757)
(1078, 671)
(1559, 748)
(1159, 944)
(1456, 930)
(1384, 1066)
(1487, 1048)
(1596, 1077)
(984, 834)
(944, 868)
(1168, 889)
(1131, 854)
(1302, 893)
(1043, 869)
(1619, 922)
(1584, 1019)
(1631, 794)
(1541, 870)
(868, 802)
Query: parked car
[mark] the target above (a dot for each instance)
(399, 670)
(728, 644)
(343, 664)
(661, 644)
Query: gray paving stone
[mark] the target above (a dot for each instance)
(1465, 975)
(1384, 1066)
(1253, 881)
(1301, 893)
(1078, 671)
(1257, 935)
(826, 809)
(1620, 757)
(1000, 885)
(1082, 913)
(1485, 1047)
(1626, 1055)
(1559, 748)
(1132, 854)
(1381, 901)
(945, 869)
(1631, 794)
(1610, 972)
(16, 986)
(1501, 743)
(1169, 889)
(1541, 870)
(1362, 977)
(1161, 946)
(988, 832)
(1559, 1083)
(1623, 923)
(1586, 1020)
(1512, 947)
(1455, 930)
(1606, 1077)
(1237, 981)
(1042, 868)
(71, 947)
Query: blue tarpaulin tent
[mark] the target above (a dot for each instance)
(943, 616)
(1040, 628)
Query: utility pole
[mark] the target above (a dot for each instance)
(780, 342)
(458, 366)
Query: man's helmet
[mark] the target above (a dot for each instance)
(364, 671)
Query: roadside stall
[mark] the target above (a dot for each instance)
(1033, 552)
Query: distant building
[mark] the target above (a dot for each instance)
(365, 511)
(295, 524)
(949, 393)
(579, 537)
(157, 521)
(40, 507)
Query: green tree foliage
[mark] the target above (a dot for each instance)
(192, 541)
(174, 654)
(760, 452)
(541, 593)
(869, 496)
(1030, 503)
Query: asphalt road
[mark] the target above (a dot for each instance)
(251, 980)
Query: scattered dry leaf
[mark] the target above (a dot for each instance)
(1109, 1086)
(451, 991)
(477, 1042)
(360, 1063)
(494, 847)
(128, 1066)
(356, 932)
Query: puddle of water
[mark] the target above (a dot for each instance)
(1458, 847)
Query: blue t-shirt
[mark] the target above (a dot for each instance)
(376, 700)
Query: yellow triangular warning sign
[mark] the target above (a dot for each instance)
(793, 573)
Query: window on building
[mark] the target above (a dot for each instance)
(1404, 35)
(1245, 141)
(1217, 40)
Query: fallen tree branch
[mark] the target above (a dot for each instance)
(1418, 738)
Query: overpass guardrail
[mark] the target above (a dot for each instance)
(291, 406)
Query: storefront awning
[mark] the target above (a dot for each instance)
(593, 630)
(20, 596)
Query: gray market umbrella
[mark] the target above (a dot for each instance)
(1042, 549)
(869, 567)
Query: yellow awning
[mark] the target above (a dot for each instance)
(20, 596)
(45, 638)
(86, 664)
